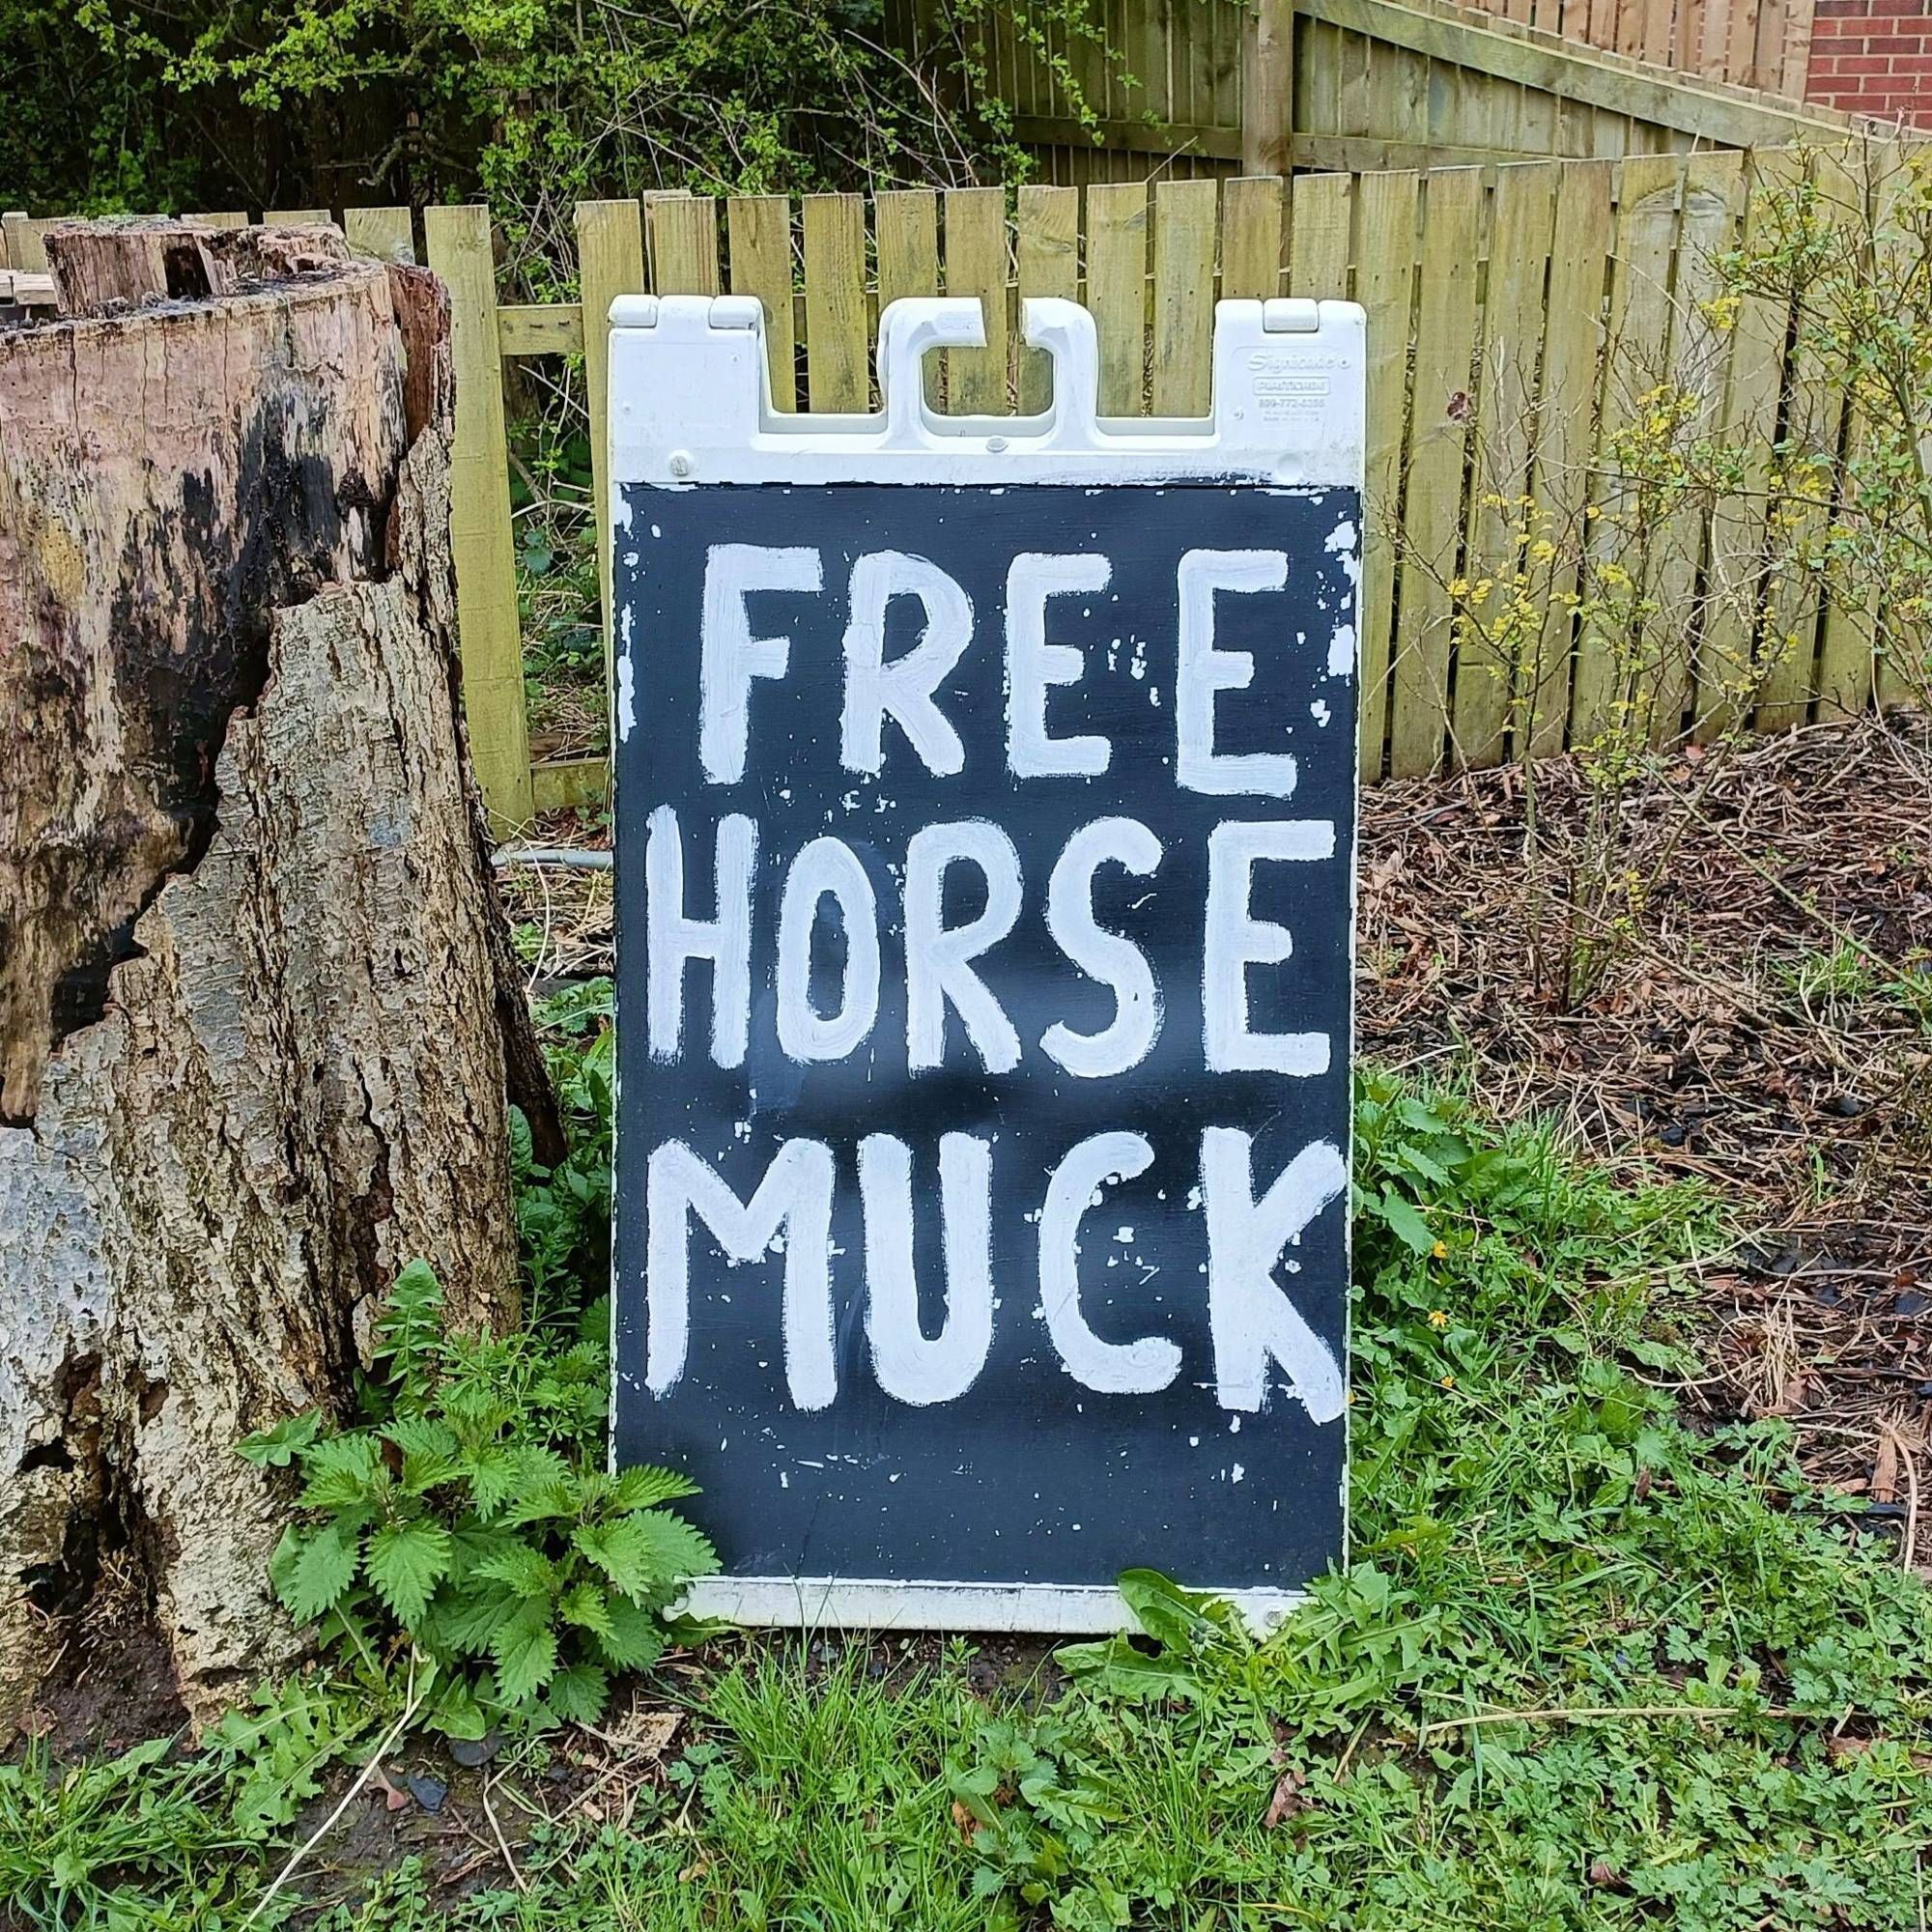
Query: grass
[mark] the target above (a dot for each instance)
(1588, 1666)
(1845, 983)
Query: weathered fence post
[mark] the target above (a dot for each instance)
(1267, 89)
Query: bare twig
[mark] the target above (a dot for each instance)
(1579, 1714)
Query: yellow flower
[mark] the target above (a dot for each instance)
(1448, 1381)
(1459, 587)
(1440, 1249)
(1541, 551)
(1438, 1317)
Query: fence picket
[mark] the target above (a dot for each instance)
(1385, 288)
(1621, 674)
(25, 250)
(1813, 412)
(975, 264)
(1117, 241)
(1522, 229)
(684, 246)
(1438, 432)
(1754, 379)
(1565, 439)
(1845, 648)
(1319, 211)
(609, 263)
(1046, 262)
(1897, 249)
(836, 376)
(479, 517)
(1183, 297)
(758, 232)
(386, 232)
(1251, 238)
(905, 237)
(1706, 230)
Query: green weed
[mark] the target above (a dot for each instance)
(1586, 1667)
(117, 1846)
(474, 1523)
(1839, 985)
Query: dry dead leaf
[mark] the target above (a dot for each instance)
(1287, 1798)
(645, 1733)
(1885, 1468)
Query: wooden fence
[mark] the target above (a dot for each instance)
(1756, 43)
(1520, 320)
(1183, 88)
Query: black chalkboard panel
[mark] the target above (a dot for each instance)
(979, 712)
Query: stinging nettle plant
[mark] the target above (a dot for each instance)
(475, 1526)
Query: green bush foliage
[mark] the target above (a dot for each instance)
(116, 105)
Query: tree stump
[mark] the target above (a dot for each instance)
(258, 1009)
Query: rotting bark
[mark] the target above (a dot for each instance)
(257, 1000)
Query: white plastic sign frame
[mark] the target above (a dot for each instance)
(690, 405)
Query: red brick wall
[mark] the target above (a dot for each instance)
(1873, 57)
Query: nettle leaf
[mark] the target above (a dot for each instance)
(588, 1607)
(319, 1569)
(577, 1694)
(524, 1647)
(344, 1472)
(525, 1570)
(636, 1640)
(644, 1486)
(493, 1480)
(406, 1561)
(554, 1498)
(462, 1621)
(523, 1144)
(421, 1435)
(645, 1551)
(277, 1447)
(431, 1452)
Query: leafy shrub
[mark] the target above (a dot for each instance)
(474, 1521)
(539, 104)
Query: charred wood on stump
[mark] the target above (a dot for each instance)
(258, 1007)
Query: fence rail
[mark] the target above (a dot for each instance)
(1520, 319)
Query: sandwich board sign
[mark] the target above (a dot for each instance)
(985, 800)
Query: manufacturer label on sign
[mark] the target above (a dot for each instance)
(985, 807)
